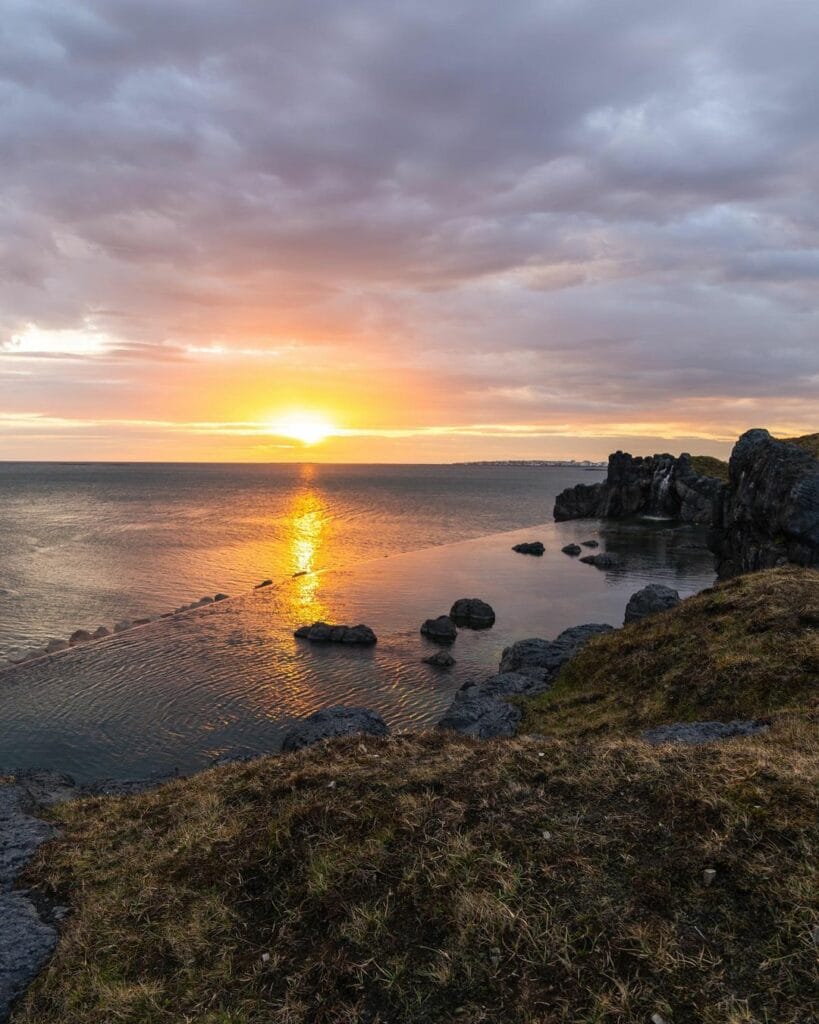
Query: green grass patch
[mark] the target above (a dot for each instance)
(746, 648)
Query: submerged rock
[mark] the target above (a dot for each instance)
(473, 613)
(441, 630)
(331, 723)
(56, 645)
(100, 632)
(651, 599)
(531, 547)
(542, 659)
(572, 549)
(441, 659)
(324, 633)
(264, 583)
(704, 732)
(80, 636)
(601, 561)
(590, 543)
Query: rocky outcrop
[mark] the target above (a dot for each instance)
(473, 613)
(658, 485)
(655, 597)
(769, 514)
(704, 732)
(542, 659)
(330, 723)
(324, 633)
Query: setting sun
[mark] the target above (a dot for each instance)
(307, 427)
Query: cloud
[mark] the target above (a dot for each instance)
(600, 207)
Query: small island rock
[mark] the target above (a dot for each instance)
(651, 599)
(601, 561)
(100, 632)
(572, 549)
(590, 543)
(324, 633)
(441, 659)
(331, 723)
(473, 613)
(531, 547)
(441, 630)
(79, 636)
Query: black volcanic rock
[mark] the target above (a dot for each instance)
(532, 547)
(659, 485)
(324, 633)
(441, 659)
(331, 723)
(473, 613)
(770, 512)
(542, 659)
(651, 599)
(441, 630)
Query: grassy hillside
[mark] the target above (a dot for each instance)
(746, 648)
(707, 465)
(810, 442)
(426, 879)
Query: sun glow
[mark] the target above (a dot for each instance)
(307, 427)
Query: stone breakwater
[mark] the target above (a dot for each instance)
(766, 515)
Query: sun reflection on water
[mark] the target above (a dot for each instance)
(307, 525)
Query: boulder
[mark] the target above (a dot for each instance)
(651, 599)
(441, 659)
(572, 549)
(221, 597)
(542, 659)
(100, 632)
(324, 633)
(601, 561)
(484, 718)
(590, 543)
(331, 723)
(441, 630)
(532, 547)
(473, 613)
(56, 645)
(704, 732)
(204, 600)
(79, 636)
(264, 583)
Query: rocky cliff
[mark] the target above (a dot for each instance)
(769, 513)
(659, 485)
(766, 515)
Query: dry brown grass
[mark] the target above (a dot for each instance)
(707, 465)
(809, 442)
(747, 648)
(432, 879)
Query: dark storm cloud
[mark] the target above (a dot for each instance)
(588, 200)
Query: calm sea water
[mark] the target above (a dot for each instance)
(383, 545)
(90, 544)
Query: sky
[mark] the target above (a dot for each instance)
(435, 231)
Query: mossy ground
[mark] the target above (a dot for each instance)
(430, 878)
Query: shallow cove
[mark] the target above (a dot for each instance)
(228, 678)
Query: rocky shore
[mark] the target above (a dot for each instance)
(767, 514)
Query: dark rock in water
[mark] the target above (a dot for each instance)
(572, 549)
(264, 583)
(542, 659)
(651, 599)
(485, 718)
(502, 684)
(473, 613)
(601, 561)
(441, 630)
(121, 626)
(590, 543)
(56, 645)
(704, 732)
(324, 633)
(79, 636)
(331, 723)
(659, 485)
(220, 597)
(441, 659)
(101, 632)
(26, 943)
(770, 510)
(532, 547)
(204, 600)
